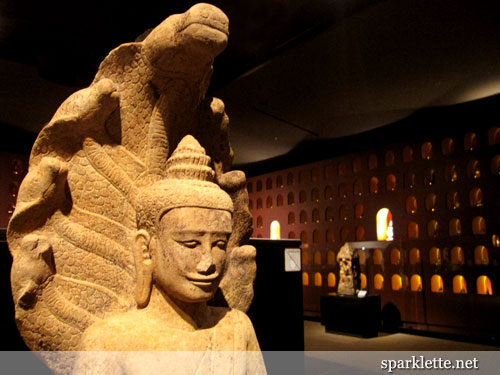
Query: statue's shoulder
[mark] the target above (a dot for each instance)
(109, 333)
(229, 316)
(236, 319)
(239, 317)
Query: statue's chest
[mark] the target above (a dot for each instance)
(221, 338)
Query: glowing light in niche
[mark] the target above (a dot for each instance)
(437, 285)
(396, 282)
(378, 282)
(459, 285)
(363, 280)
(275, 230)
(416, 283)
(305, 279)
(332, 281)
(317, 279)
(483, 284)
(385, 229)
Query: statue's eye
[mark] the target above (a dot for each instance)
(191, 244)
(220, 244)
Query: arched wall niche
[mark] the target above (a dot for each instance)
(459, 285)
(385, 226)
(318, 280)
(275, 230)
(483, 285)
(416, 283)
(437, 285)
(396, 282)
(305, 279)
(332, 280)
(378, 281)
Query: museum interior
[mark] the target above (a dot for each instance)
(373, 123)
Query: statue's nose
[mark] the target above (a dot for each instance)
(206, 264)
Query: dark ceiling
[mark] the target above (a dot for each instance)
(294, 71)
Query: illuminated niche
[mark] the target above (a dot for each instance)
(457, 255)
(435, 257)
(385, 228)
(332, 280)
(478, 225)
(318, 279)
(481, 256)
(378, 257)
(414, 256)
(416, 283)
(459, 285)
(483, 285)
(378, 282)
(395, 257)
(437, 285)
(275, 230)
(305, 279)
(362, 278)
(396, 282)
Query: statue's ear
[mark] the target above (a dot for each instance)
(144, 267)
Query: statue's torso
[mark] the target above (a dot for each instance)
(135, 330)
(228, 347)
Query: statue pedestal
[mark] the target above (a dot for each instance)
(351, 314)
(277, 311)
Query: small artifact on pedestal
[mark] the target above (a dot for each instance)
(129, 227)
(349, 271)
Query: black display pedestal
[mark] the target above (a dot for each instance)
(351, 314)
(277, 310)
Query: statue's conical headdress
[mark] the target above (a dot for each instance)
(188, 183)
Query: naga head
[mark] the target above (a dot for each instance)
(184, 223)
(186, 44)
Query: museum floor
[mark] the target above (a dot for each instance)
(316, 338)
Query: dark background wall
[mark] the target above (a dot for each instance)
(431, 168)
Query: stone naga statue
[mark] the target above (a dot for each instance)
(112, 224)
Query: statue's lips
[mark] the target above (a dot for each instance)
(202, 280)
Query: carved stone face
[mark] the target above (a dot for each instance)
(190, 253)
